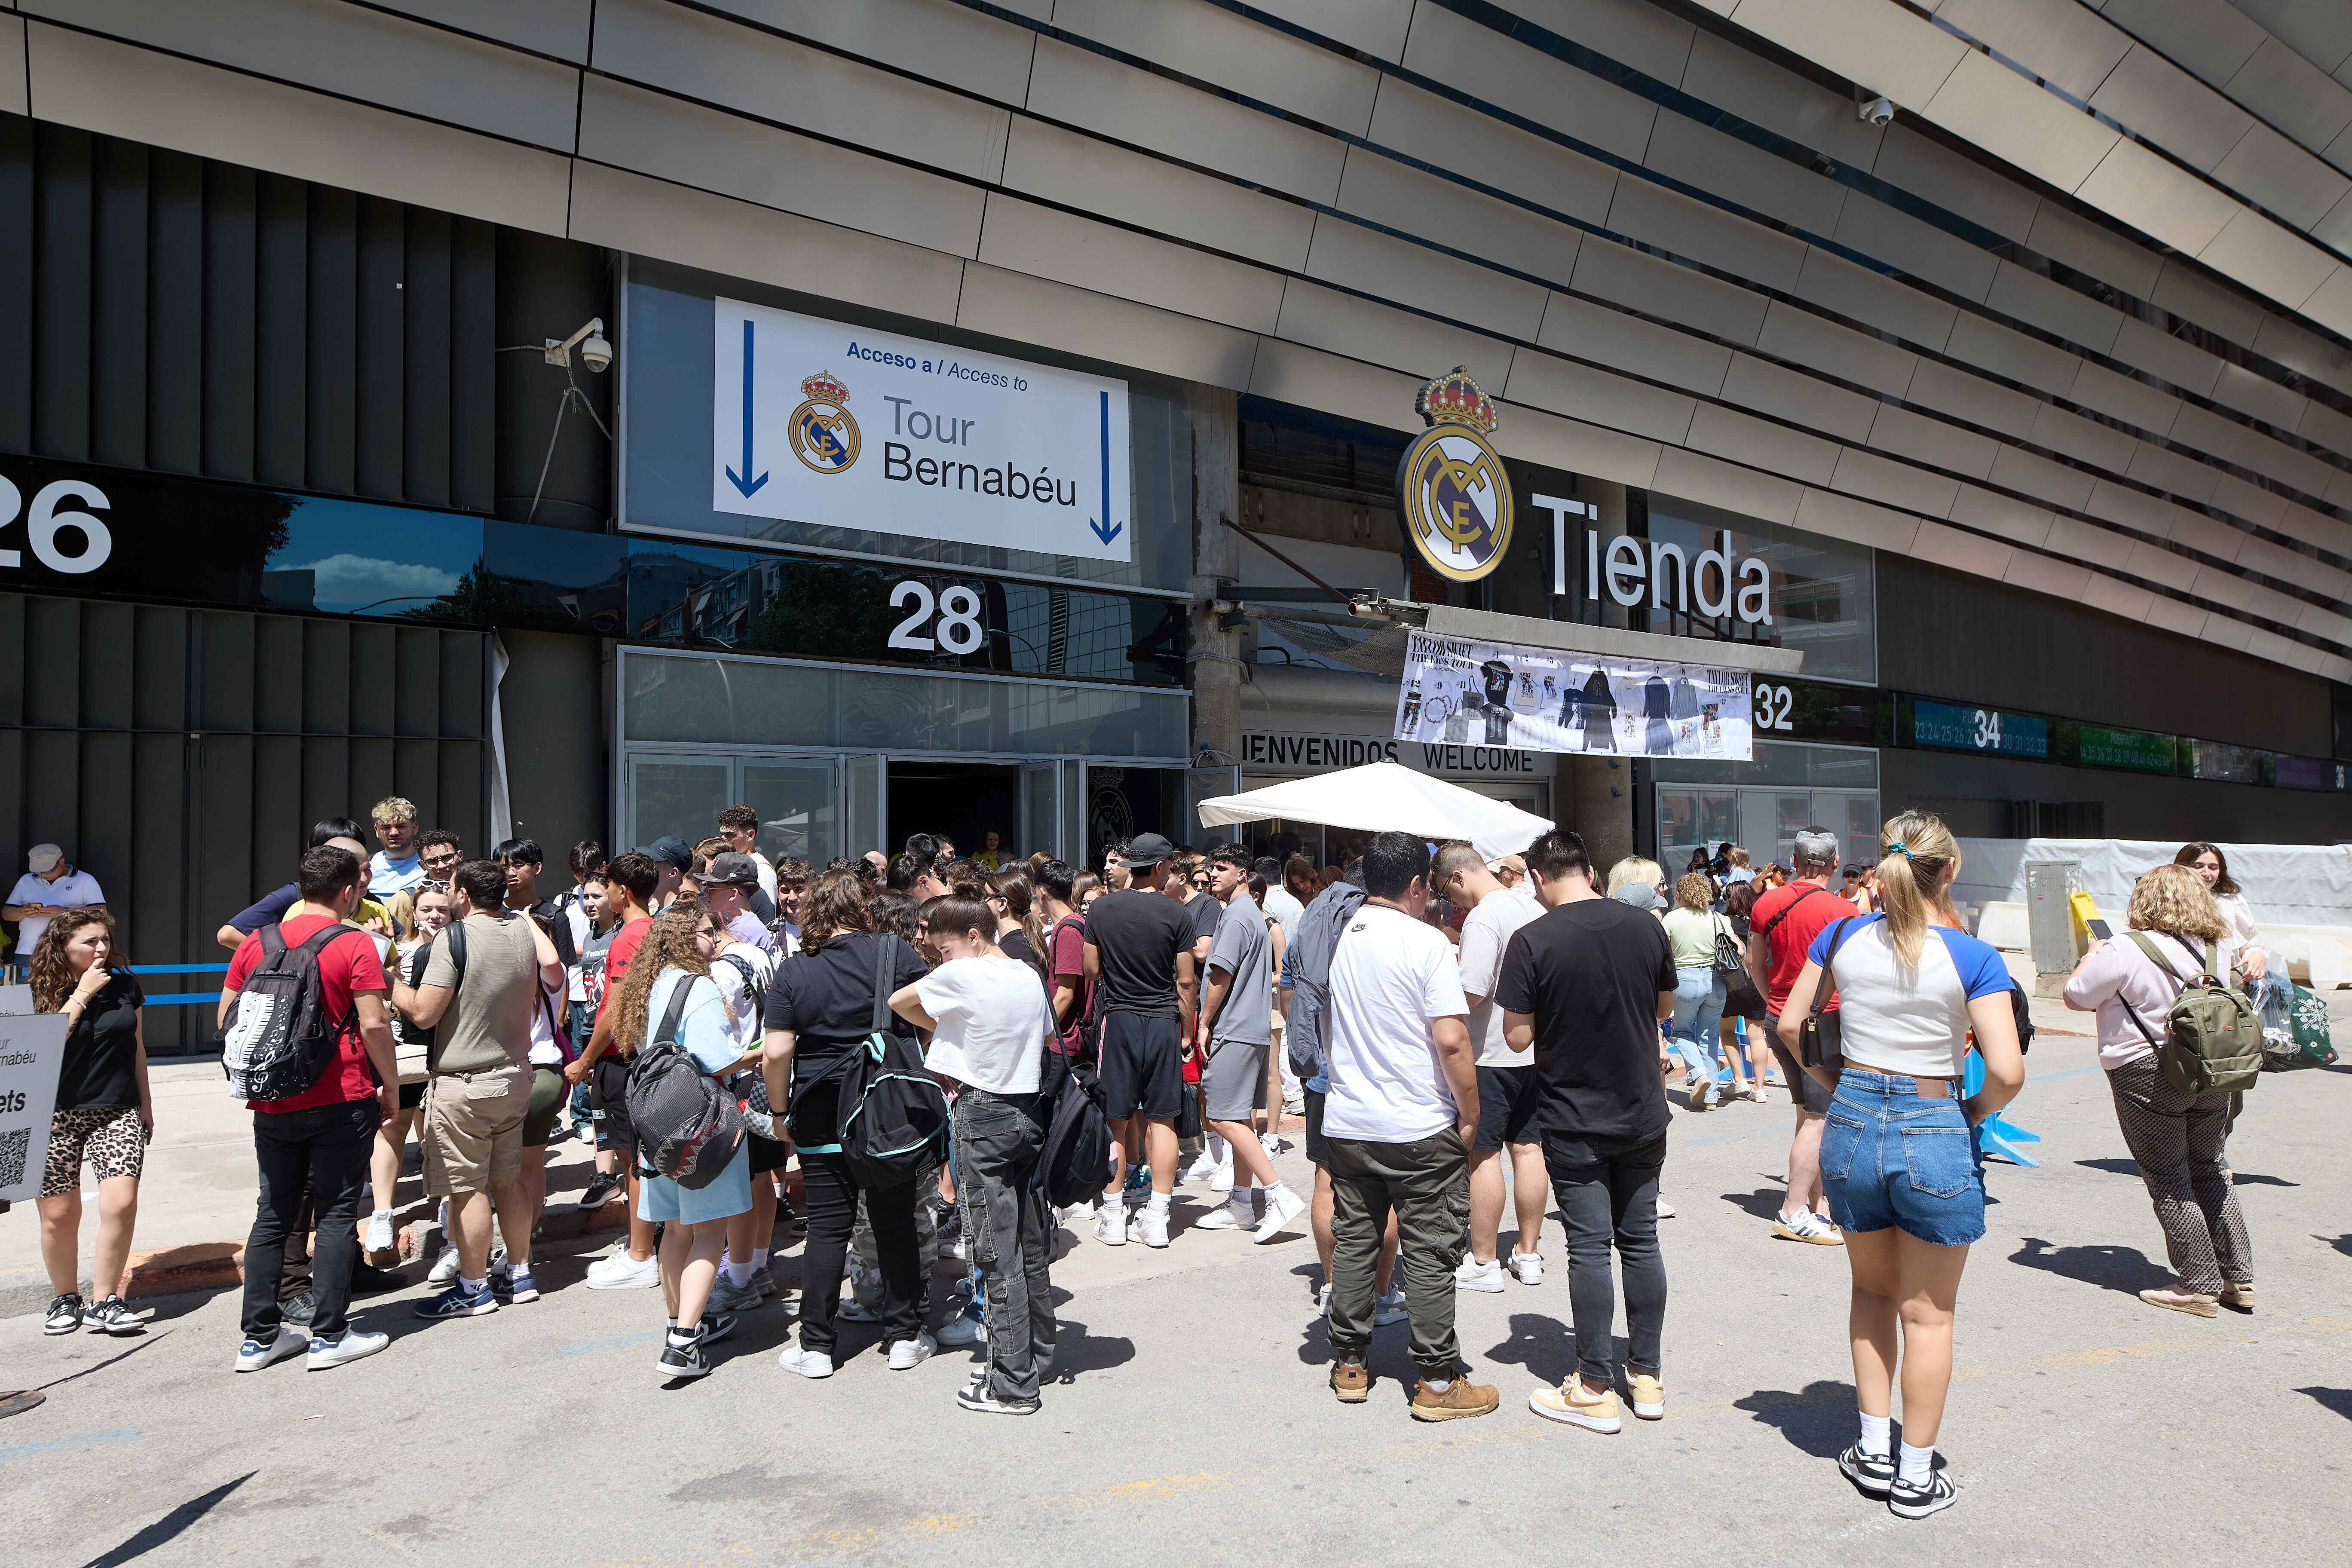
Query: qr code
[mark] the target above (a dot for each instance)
(14, 1147)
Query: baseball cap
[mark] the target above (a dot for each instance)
(732, 869)
(1146, 849)
(670, 850)
(1815, 844)
(42, 859)
(1641, 895)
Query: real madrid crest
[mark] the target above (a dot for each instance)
(1451, 493)
(825, 437)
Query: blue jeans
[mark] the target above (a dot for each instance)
(1698, 1007)
(1890, 1158)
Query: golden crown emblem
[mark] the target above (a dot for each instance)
(1454, 399)
(822, 386)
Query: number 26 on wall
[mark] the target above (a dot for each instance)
(958, 630)
(45, 522)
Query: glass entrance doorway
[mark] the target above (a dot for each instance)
(963, 801)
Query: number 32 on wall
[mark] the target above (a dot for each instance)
(959, 629)
(45, 522)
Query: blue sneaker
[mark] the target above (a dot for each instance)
(457, 1302)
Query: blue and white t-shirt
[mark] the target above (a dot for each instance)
(1896, 1020)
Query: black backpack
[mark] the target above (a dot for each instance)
(687, 1126)
(279, 1037)
(1074, 1160)
(893, 1115)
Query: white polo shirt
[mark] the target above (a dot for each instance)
(75, 890)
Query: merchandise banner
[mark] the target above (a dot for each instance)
(1463, 692)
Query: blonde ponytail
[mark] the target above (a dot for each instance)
(1916, 850)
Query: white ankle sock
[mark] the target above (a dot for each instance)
(758, 1258)
(1918, 1465)
(471, 1287)
(1159, 1203)
(1875, 1434)
(738, 1274)
(1276, 1187)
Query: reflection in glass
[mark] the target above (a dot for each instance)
(796, 803)
(675, 795)
(348, 557)
(1823, 598)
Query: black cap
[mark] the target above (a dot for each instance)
(670, 850)
(1146, 849)
(734, 870)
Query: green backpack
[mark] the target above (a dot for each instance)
(2212, 1037)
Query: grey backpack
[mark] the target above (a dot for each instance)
(687, 1123)
(2212, 1037)
(1320, 929)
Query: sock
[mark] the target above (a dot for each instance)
(758, 1258)
(1159, 1203)
(1238, 1200)
(1276, 1187)
(1918, 1465)
(1217, 1149)
(471, 1287)
(738, 1275)
(1875, 1436)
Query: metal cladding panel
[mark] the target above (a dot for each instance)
(1482, 63)
(1933, 442)
(1598, 397)
(1376, 27)
(1760, 444)
(2005, 515)
(1209, 44)
(1079, 321)
(1971, 399)
(1897, 484)
(2094, 247)
(1346, 324)
(1422, 125)
(1671, 221)
(1691, 477)
(2212, 38)
(2158, 197)
(1049, 242)
(2011, 117)
(2162, 102)
(12, 66)
(1702, 157)
(2035, 475)
(1928, 169)
(1728, 76)
(1841, 351)
(1412, 200)
(2055, 308)
(2013, 355)
(1885, 47)
(1655, 287)
(2293, 94)
(1362, 259)
(2123, 397)
(1843, 287)
(1908, 245)
(558, 28)
(2068, 46)
(1627, 31)
(2272, 172)
(1594, 333)
(1787, 393)
(1128, 187)
(2264, 257)
(2167, 357)
(2318, 30)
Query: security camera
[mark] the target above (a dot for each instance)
(1877, 111)
(595, 351)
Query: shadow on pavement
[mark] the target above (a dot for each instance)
(2123, 1269)
(169, 1526)
(1076, 1351)
(1544, 1346)
(2342, 1244)
(1764, 1203)
(2339, 1400)
(2113, 1167)
(144, 1340)
(1818, 1419)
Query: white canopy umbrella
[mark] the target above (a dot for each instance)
(1381, 798)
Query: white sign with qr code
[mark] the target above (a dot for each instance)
(32, 1048)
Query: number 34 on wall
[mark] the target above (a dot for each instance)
(45, 522)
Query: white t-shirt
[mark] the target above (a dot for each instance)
(575, 914)
(1284, 906)
(1391, 977)
(744, 1003)
(75, 889)
(1907, 1021)
(994, 1022)
(1486, 933)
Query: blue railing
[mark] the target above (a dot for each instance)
(180, 996)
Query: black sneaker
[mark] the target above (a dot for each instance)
(299, 1310)
(367, 1279)
(65, 1315)
(111, 1317)
(601, 1186)
(715, 1327)
(1871, 1474)
(977, 1395)
(684, 1361)
(1908, 1501)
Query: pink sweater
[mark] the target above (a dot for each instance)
(2118, 973)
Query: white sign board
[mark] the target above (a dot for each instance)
(32, 1049)
(1459, 692)
(819, 422)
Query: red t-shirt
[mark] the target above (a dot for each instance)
(625, 943)
(1068, 941)
(346, 965)
(1793, 935)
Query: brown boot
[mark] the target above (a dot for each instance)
(1453, 1401)
(1352, 1382)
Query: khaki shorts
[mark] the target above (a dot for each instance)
(473, 1130)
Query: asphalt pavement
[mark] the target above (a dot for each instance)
(1188, 1421)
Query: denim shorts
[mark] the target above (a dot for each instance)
(1889, 1157)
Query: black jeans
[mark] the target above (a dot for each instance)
(1427, 1181)
(1009, 1232)
(832, 1194)
(327, 1150)
(1610, 1191)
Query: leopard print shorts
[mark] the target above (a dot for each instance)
(111, 1138)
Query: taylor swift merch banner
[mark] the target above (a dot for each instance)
(1544, 699)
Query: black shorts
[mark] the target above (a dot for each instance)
(412, 1095)
(767, 1153)
(1142, 1067)
(1508, 1098)
(608, 1085)
(1803, 1090)
(1319, 1152)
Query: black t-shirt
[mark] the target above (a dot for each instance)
(1205, 914)
(1139, 934)
(1590, 973)
(825, 997)
(100, 1071)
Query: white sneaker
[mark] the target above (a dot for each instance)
(1271, 1142)
(962, 1329)
(1665, 1209)
(378, 1231)
(1529, 1266)
(445, 1268)
(255, 1355)
(355, 1343)
(1476, 1275)
(1323, 1301)
(1282, 1206)
(1388, 1308)
(1111, 1226)
(1807, 1226)
(622, 1272)
(1221, 1180)
(1151, 1228)
(1079, 1213)
(1201, 1169)
(1229, 1215)
(808, 1363)
(907, 1354)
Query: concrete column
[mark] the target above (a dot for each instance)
(1216, 553)
(1602, 808)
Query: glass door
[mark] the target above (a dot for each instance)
(677, 795)
(1041, 808)
(796, 800)
(866, 781)
(1694, 817)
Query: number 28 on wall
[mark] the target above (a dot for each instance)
(45, 522)
(957, 629)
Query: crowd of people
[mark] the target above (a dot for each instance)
(1429, 1020)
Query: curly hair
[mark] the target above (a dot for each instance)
(2174, 899)
(53, 973)
(1694, 890)
(669, 944)
(834, 905)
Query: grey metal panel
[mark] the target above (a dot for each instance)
(2334, 228)
(2299, 349)
(1078, 321)
(1775, 448)
(2207, 36)
(2209, 535)
(1422, 125)
(2011, 117)
(1797, 334)
(1532, 435)
(1489, 67)
(1703, 157)
(175, 326)
(2170, 471)
(1911, 434)
(2188, 292)
(2330, 534)
(2084, 440)
(558, 28)
(2330, 304)
(2218, 586)
(2266, 400)
(117, 325)
(1413, 201)
(1674, 222)
(1209, 44)
(1386, 268)
(2322, 426)
(17, 273)
(2258, 506)
(2093, 248)
(2160, 100)
(938, 40)
(2134, 510)
(1957, 183)
(1955, 391)
(1656, 287)
(332, 341)
(1961, 551)
(1049, 242)
(2293, 94)
(1693, 477)
(2065, 45)
(281, 368)
(1905, 243)
(1292, 373)
(1884, 47)
(2225, 439)
(2122, 397)
(1598, 397)
(1046, 161)
(1793, 395)
(1728, 76)
(2015, 470)
(12, 66)
(1595, 333)
(2254, 252)
(2041, 574)
(2319, 30)
(1361, 329)
(2159, 354)
(1627, 31)
(2158, 197)
(1375, 26)
(2268, 169)
(356, 53)
(1897, 484)
(1839, 285)
(2013, 355)
(62, 288)
(735, 67)
(634, 129)
(1847, 517)
(2004, 515)
(2157, 564)
(1133, 106)
(2055, 308)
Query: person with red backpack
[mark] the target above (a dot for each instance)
(326, 1132)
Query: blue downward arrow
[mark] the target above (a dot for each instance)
(1105, 530)
(748, 487)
